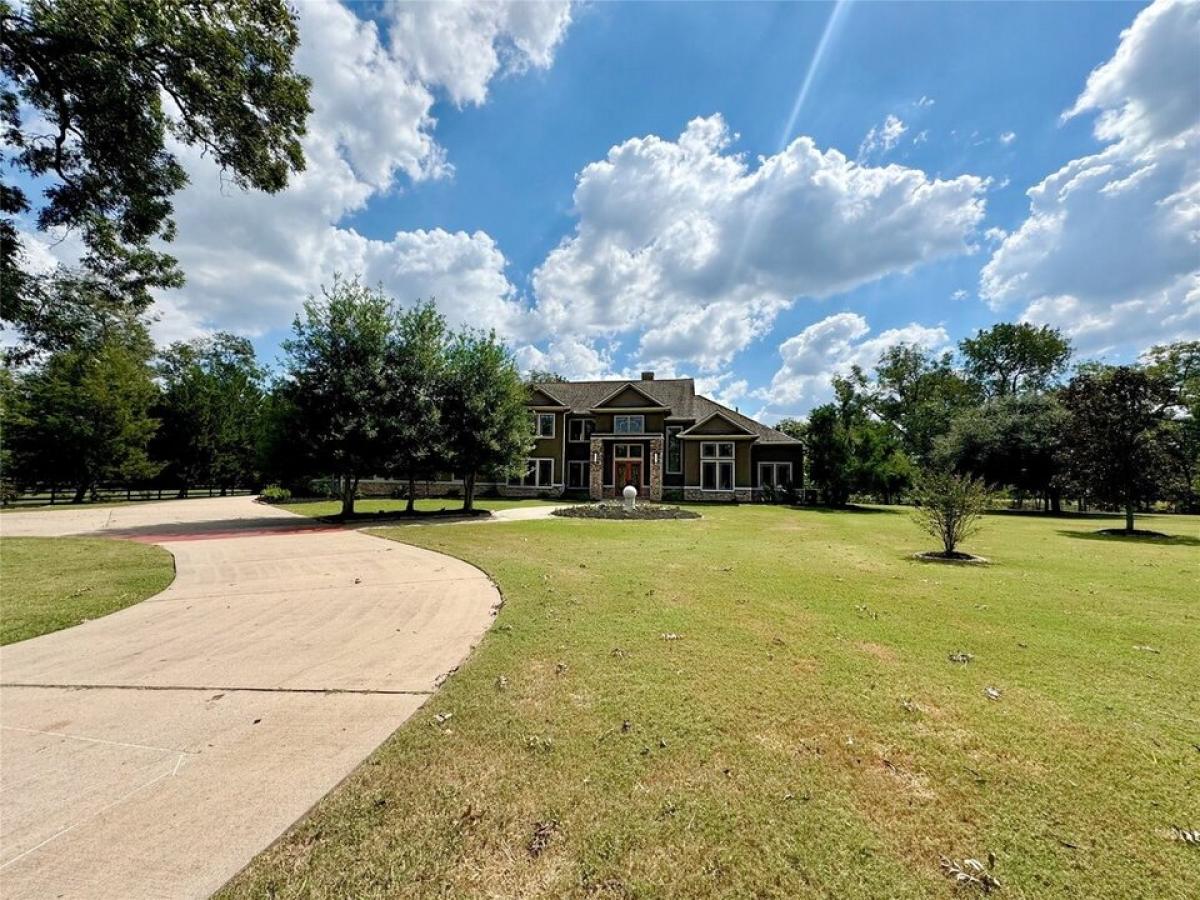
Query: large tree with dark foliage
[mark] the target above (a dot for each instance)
(919, 393)
(416, 383)
(484, 413)
(211, 402)
(1179, 365)
(91, 91)
(337, 382)
(1014, 440)
(1011, 358)
(1115, 431)
(86, 413)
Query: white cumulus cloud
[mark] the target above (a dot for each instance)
(831, 347)
(693, 251)
(1110, 251)
(251, 258)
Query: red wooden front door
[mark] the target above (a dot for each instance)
(629, 471)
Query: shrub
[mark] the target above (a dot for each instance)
(273, 493)
(949, 507)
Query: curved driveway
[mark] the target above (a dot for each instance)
(153, 752)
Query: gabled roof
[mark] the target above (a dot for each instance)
(676, 394)
(541, 395)
(651, 401)
(717, 423)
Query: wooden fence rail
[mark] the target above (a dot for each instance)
(107, 493)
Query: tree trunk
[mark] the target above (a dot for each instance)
(1129, 514)
(1055, 502)
(469, 492)
(183, 492)
(348, 491)
(80, 493)
(412, 493)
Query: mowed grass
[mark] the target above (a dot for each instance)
(761, 704)
(51, 583)
(317, 508)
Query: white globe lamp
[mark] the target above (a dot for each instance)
(630, 495)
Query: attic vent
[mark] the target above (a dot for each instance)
(647, 376)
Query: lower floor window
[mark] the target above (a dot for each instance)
(716, 475)
(774, 474)
(538, 473)
(577, 474)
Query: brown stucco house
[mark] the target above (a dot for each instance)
(592, 438)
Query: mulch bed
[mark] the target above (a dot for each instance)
(940, 556)
(617, 511)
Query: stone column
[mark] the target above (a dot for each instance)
(596, 469)
(656, 469)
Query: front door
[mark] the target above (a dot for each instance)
(629, 471)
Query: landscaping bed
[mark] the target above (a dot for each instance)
(615, 509)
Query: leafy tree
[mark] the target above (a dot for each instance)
(1015, 440)
(212, 399)
(1178, 365)
(949, 507)
(416, 373)
(918, 394)
(337, 381)
(88, 414)
(828, 454)
(1116, 429)
(278, 456)
(544, 376)
(91, 90)
(1016, 358)
(484, 414)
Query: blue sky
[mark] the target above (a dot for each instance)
(590, 181)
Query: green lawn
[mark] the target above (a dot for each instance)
(803, 734)
(52, 583)
(333, 507)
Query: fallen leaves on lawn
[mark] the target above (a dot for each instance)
(501, 682)
(539, 743)
(971, 873)
(961, 656)
(443, 718)
(991, 693)
(1147, 648)
(560, 668)
(542, 832)
(671, 636)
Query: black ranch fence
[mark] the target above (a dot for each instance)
(107, 493)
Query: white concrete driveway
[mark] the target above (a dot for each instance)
(153, 752)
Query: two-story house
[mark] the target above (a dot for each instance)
(592, 438)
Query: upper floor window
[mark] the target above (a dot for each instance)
(714, 450)
(580, 430)
(543, 425)
(629, 424)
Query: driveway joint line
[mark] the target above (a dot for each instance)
(190, 687)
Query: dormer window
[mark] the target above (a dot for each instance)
(629, 424)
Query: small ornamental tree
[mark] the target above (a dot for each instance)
(950, 507)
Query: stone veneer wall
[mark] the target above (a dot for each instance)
(740, 495)
(596, 472)
(656, 472)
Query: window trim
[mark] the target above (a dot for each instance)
(537, 426)
(587, 433)
(533, 463)
(775, 466)
(584, 481)
(711, 455)
(678, 445)
(641, 417)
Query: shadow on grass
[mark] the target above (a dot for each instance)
(1172, 540)
(851, 508)
(397, 516)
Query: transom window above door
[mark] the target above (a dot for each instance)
(580, 430)
(629, 424)
(628, 451)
